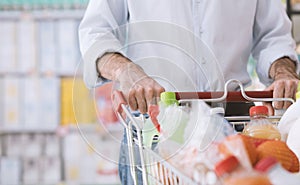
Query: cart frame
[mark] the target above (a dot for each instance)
(163, 172)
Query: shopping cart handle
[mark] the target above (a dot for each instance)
(232, 96)
(117, 100)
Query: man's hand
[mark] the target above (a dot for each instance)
(139, 89)
(283, 72)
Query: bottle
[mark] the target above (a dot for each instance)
(215, 129)
(152, 126)
(172, 119)
(276, 173)
(289, 117)
(230, 172)
(259, 125)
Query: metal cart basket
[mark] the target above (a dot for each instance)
(154, 169)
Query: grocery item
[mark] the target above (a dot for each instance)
(259, 126)
(170, 121)
(172, 118)
(294, 137)
(289, 118)
(276, 173)
(241, 147)
(256, 141)
(280, 151)
(231, 172)
(206, 126)
(166, 99)
(248, 179)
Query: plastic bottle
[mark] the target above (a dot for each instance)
(230, 172)
(259, 125)
(276, 173)
(152, 126)
(289, 117)
(172, 119)
(216, 128)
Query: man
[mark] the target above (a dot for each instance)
(151, 46)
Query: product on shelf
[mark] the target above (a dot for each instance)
(77, 104)
(10, 170)
(8, 46)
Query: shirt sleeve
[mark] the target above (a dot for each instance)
(272, 37)
(101, 30)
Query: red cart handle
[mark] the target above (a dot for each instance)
(232, 96)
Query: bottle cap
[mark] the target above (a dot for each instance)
(217, 110)
(168, 98)
(258, 110)
(226, 165)
(298, 92)
(265, 164)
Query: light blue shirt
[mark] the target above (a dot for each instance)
(187, 45)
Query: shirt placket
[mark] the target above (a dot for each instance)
(198, 13)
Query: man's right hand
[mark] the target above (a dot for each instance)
(139, 89)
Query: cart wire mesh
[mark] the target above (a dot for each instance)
(155, 169)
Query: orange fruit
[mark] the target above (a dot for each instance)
(281, 152)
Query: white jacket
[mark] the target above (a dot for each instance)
(187, 45)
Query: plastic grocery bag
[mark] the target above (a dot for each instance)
(206, 126)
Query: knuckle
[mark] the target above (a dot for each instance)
(139, 89)
(149, 91)
(132, 92)
(160, 89)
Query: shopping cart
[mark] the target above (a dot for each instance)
(154, 169)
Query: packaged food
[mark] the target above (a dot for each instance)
(276, 173)
(259, 125)
(280, 151)
(241, 147)
(289, 118)
(294, 138)
(231, 172)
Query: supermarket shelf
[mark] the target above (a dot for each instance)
(42, 4)
(61, 130)
(42, 14)
(20, 130)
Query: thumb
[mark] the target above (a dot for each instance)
(270, 88)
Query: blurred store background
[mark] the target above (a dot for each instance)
(52, 129)
(51, 126)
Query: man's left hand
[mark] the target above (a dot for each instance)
(283, 72)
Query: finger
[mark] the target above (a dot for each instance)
(141, 101)
(153, 94)
(278, 92)
(290, 91)
(149, 96)
(158, 90)
(132, 100)
(270, 108)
